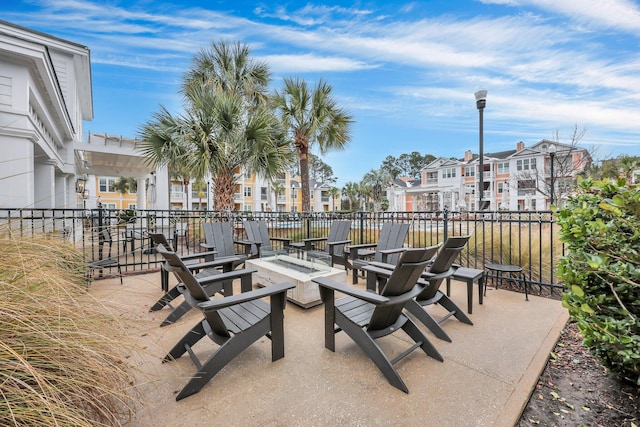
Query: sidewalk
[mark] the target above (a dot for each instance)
(489, 370)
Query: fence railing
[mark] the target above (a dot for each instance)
(527, 239)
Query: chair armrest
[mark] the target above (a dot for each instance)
(362, 246)
(235, 274)
(207, 246)
(286, 240)
(385, 253)
(229, 301)
(371, 297)
(429, 276)
(196, 255)
(314, 239)
(247, 245)
(339, 242)
(379, 268)
(216, 262)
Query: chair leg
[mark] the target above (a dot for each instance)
(453, 308)
(193, 336)
(177, 313)
(166, 299)
(421, 314)
(368, 345)
(412, 330)
(227, 352)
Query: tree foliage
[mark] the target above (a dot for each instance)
(601, 272)
(311, 116)
(227, 124)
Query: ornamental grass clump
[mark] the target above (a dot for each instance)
(601, 272)
(60, 349)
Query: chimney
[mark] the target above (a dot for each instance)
(520, 146)
(468, 155)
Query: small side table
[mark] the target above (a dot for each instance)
(509, 272)
(469, 276)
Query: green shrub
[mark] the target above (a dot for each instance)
(601, 273)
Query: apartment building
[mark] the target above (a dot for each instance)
(45, 95)
(526, 178)
(255, 194)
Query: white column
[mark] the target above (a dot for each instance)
(44, 185)
(141, 200)
(16, 173)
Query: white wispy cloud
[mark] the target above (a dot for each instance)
(616, 14)
(548, 64)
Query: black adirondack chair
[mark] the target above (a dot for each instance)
(190, 259)
(233, 322)
(104, 238)
(366, 315)
(215, 276)
(441, 268)
(258, 237)
(335, 243)
(387, 250)
(219, 238)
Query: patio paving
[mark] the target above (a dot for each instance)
(489, 371)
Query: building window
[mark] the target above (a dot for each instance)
(502, 187)
(526, 164)
(109, 206)
(469, 171)
(503, 167)
(470, 189)
(294, 193)
(247, 208)
(263, 193)
(132, 206)
(449, 173)
(107, 185)
(247, 191)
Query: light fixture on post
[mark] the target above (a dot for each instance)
(481, 102)
(552, 155)
(81, 184)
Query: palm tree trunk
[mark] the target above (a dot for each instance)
(304, 181)
(224, 188)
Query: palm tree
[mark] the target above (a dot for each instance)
(334, 193)
(227, 125)
(351, 192)
(627, 165)
(311, 116)
(376, 181)
(277, 188)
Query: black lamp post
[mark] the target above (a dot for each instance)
(552, 155)
(481, 102)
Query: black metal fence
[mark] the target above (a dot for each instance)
(527, 239)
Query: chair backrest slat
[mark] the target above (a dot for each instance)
(339, 231)
(392, 236)
(161, 239)
(404, 277)
(220, 235)
(443, 263)
(194, 288)
(257, 231)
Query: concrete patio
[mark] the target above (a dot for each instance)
(489, 370)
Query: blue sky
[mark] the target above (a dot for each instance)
(406, 71)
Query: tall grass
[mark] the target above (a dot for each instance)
(61, 351)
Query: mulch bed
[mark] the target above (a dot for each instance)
(575, 389)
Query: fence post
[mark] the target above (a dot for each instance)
(445, 223)
(361, 214)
